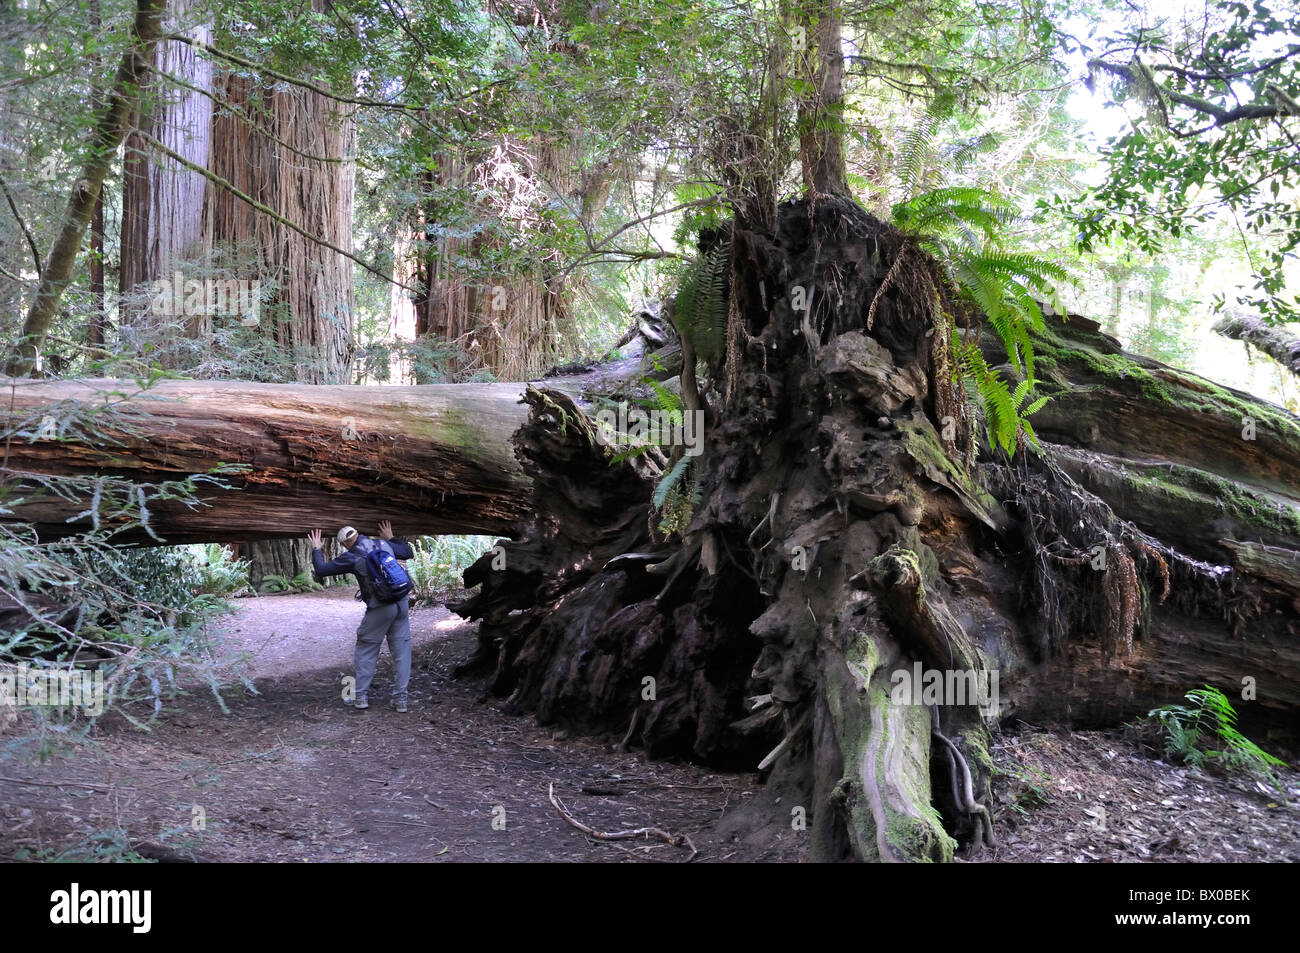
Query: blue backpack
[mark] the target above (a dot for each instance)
(389, 577)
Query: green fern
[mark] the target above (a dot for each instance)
(942, 214)
(669, 480)
(962, 227)
(1211, 718)
(700, 311)
(917, 151)
(665, 401)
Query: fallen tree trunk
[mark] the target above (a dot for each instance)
(433, 459)
(1281, 346)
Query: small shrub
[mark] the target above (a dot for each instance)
(220, 573)
(303, 582)
(1028, 787)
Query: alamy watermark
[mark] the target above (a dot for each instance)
(194, 297)
(922, 686)
(21, 685)
(630, 427)
(77, 906)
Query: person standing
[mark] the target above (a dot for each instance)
(389, 621)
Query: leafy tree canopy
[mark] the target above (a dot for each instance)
(1211, 90)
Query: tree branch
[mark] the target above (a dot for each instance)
(1275, 342)
(27, 232)
(1220, 115)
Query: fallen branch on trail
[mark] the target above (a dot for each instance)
(676, 840)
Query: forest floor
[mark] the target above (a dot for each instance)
(293, 774)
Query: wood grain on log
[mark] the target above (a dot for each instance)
(433, 459)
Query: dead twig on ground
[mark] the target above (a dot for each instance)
(677, 840)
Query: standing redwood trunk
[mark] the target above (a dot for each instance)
(301, 167)
(304, 172)
(162, 199)
(508, 323)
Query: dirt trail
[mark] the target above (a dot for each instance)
(292, 774)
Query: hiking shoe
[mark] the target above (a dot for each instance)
(399, 707)
(361, 704)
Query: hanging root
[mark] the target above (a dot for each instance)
(965, 795)
(1065, 525)
(1123, 600)
(1161, 564)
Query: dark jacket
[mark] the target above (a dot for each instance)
(354, 561)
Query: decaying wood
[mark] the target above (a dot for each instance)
(1276, 342)
(835, 543)
(433, 459)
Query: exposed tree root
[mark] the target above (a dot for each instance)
(964, 795)
(840, 543)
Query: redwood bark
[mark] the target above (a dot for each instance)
(302, 168)
(433, 459)
(162, 200)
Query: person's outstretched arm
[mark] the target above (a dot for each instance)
(401, 548)
(334, 567)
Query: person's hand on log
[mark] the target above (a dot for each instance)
(386, 529)
(314, 537)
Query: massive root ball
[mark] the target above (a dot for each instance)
(843, 548)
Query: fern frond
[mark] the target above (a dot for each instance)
(1037, 405)
(1031, 269)
(963, 153)
(699, 311)
(942, 210)
(962, 227)
(669, 480)
(917, 147)
(1000, 420)
(1018, 395)
(665, 400)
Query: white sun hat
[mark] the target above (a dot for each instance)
(346, 533)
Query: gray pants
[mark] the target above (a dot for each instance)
(391, 622)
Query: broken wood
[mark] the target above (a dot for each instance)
(1279, 344)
